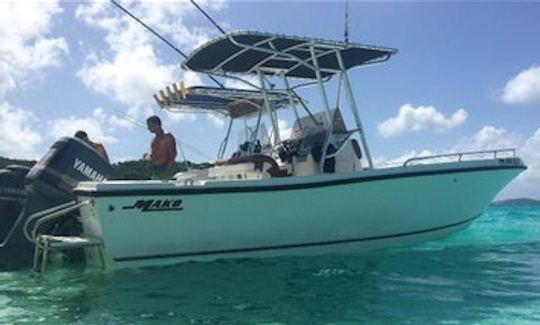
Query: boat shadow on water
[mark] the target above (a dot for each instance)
(425, 284)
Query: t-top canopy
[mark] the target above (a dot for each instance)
(250, 52)
(234, 103)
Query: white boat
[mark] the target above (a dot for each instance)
(317, 192)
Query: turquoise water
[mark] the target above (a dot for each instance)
(487, 274)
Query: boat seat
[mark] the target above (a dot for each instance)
(258, 160)
(356, 148)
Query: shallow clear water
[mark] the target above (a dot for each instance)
(487, 274)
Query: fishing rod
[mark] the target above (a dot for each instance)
(134, 122)
(160, 37)
(208, 17)
(222, 32)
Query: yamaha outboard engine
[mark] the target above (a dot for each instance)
(50, 183)
(12, 199)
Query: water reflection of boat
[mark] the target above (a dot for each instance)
(316, 192)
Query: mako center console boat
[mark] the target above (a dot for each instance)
(315, 192)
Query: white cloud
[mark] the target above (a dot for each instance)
(131, 71)
(528, 149)
(530, 152)
(176, 117)
(190, 78)
(284, 129)
(132, 117)
(119, 159)
(399, 161)
(523, 88)
(217, 120)
(488, 138)
(169, 18)
(25, 49)
(420, 118)
(131, 78)
(17, 138)
(237, 84)
(93, 125)
(491, 138)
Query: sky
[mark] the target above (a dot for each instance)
(466, 76)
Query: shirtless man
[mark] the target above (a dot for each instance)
(98, 147)
(163, 150)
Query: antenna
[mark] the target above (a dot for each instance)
(346, 33)
(159, 36)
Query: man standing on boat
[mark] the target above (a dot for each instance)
(163, 150)
(98, 147)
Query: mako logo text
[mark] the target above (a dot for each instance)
(156, 205)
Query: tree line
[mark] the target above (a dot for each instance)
(125, 170)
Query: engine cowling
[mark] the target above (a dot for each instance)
(50, 183)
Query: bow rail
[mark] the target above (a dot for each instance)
(458, 156)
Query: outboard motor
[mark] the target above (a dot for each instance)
(12, 199)
(48, 184)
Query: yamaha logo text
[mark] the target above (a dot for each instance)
(156, 205)
(87, 170)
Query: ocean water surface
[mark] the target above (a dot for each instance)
(487, 274)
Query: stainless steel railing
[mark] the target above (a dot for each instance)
(459, 156)
(34, 221)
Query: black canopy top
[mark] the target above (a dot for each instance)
(249, 52)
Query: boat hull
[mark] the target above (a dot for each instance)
(155, 223)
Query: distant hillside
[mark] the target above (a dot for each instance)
(135, 169)
(519, 201)
(138, 169)
(7, 161)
